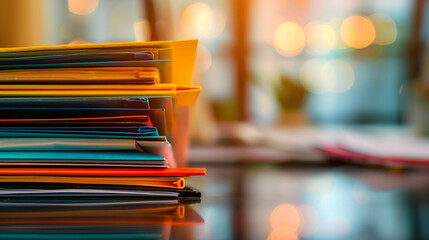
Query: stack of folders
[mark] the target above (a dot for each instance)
(96, 122)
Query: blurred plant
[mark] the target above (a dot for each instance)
(289, 93)
(291, 97)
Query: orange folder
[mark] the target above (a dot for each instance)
(103, 172)
(185, 95)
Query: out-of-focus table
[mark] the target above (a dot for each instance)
(309, 200)
(247, 196)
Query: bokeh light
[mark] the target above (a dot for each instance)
(142, 31)
(285, 215)
(335, 24)
(219, 23)
(344, 76)
(323, 76)
(199, 20)
(283, 233)
(320, 38)
(357, 31)
(317, 76)
(289, 39)
(385, 28)
(82, 7)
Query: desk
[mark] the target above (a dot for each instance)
(245, 200)
(318, 201)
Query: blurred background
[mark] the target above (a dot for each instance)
(274, 73)
(268, 63)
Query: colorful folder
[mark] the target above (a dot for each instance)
(111, 118)
(105, 75)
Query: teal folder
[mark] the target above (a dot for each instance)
(81, 155)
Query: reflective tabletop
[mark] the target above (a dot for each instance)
(308, 201)
(245, 200)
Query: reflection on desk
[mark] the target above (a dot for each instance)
(317, 201)
(93, 219)
(247, 201)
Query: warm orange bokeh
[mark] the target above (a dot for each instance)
(289, 39)
(357, 31)
(285, 215)
(200, 20)
(82, 7)
(283, 233)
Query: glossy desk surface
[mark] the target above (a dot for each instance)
(269, 201)
(308, 201)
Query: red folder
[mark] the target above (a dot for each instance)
(98, 172)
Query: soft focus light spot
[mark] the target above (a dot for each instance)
(78, 41)
(289, 39)
(285, 215)
(82, 7)
(219, 23)
(357, 31)
(335, 24)
(385, 29)
(197, 20)
(283, 233)
(320, 38)
(317, 76)
(203, 59)
(142, 30)
(344, 76)
(322, 76)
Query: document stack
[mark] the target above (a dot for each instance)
(96, 122)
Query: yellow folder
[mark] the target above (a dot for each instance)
(140, 75)
(184, 94)
(181, 53)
